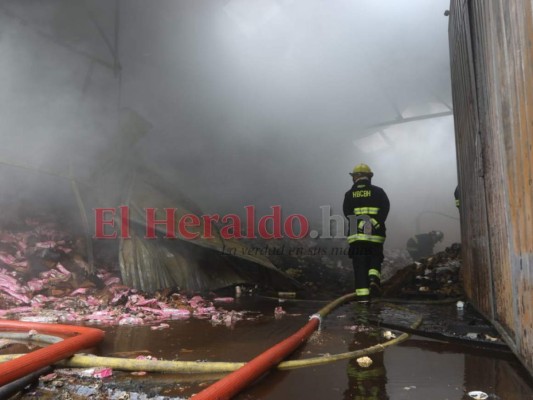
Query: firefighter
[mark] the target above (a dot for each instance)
(366, 206)
(421, 246)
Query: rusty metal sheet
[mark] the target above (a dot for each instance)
(492, 143)
(491, 55)
(473, 220)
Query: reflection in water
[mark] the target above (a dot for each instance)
(365, 383)
(493, 375)
(415, 371)
(452, 370)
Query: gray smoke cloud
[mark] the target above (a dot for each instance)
(264, 102)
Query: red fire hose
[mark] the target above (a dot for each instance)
(22, 366)
(233, 383)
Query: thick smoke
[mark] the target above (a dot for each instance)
(264, 102)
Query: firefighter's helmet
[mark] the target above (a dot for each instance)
(362, 169)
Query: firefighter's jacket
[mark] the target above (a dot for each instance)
(370, 205)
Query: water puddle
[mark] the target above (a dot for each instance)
(419, 368)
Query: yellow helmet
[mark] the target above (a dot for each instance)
(361, 169)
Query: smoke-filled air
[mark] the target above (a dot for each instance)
(229, 103)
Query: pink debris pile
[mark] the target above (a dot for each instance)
(44, 278)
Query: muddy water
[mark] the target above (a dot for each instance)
(419, 368)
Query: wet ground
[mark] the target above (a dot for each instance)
(419, 368)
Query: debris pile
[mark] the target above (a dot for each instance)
(45, 278)
(323, 266)
(319, 265)
(437, 276)
(395, 260)
(89, 383)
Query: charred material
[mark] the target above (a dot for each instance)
(433, 277)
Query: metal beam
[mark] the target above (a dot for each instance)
(411, 119)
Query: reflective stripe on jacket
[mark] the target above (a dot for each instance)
(371, 202)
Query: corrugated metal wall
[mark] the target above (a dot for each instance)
(491, 55)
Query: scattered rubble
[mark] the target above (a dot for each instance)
(74, 384)
(478, 395)
(389, 335)
(323, 266)
(436, 277)
(364, 362)
(44, 278)
(359, 328)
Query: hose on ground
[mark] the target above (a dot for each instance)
(195, 367)
(393, 300)
(238, 380)
(326, 359)
(28, 337)
(79, 338)
(200, 367)
(18, 385)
